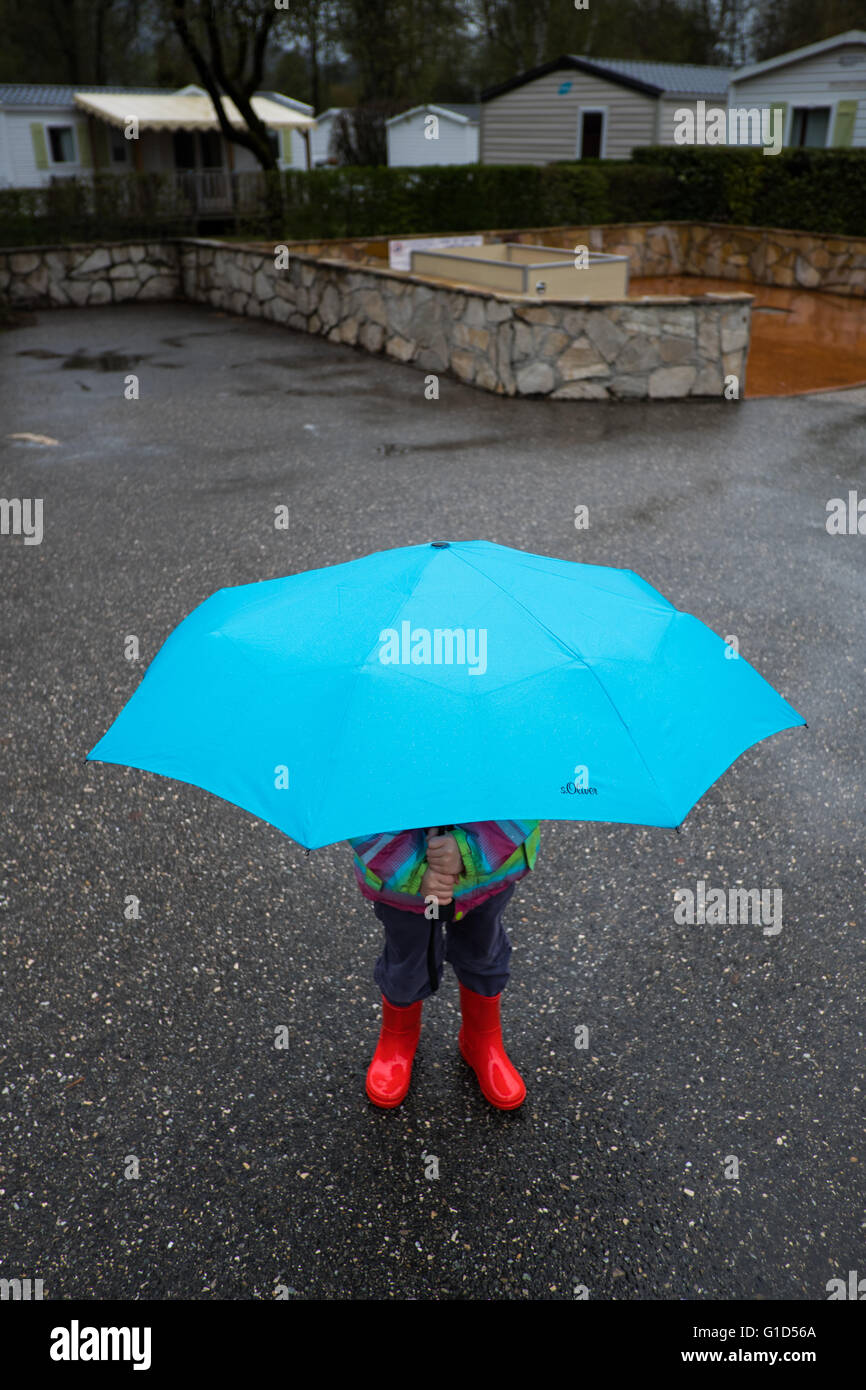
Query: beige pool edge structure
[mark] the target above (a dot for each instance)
(524, 268)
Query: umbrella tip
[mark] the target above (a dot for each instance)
(440, 545)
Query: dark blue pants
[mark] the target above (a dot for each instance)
(477, 947)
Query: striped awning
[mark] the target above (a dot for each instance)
(185, 111)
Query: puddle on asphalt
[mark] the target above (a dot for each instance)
(97, 362)
(299, 391)
(308, 364)
(442, 446)
(103, 361)
(177, 340)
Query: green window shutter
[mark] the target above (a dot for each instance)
(781, 106)
(40, 148)
(85, 157)
(286, 143)
(843, 126)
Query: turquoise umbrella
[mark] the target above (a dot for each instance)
(445, 683)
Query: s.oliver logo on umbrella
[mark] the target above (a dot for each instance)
(439, 646)
(580, 786)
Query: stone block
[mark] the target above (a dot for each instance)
(161, 287)
(735, 329)
(100, 292)
(463, 365)
(551, 341)
(532, 315)
(640, 354)
(400, 348)
(486, 377)
(373, 307)
(78, 291)
(475, 313)
(708, 381)
(330, 307)
(671, 381)
(372, 336)
(673, 350)
(806, 274)
(602, 332)
(627, 385)
(523, 343)
(575, 322)
(264, 286)
(278, 310)
(581, 391)
(581, 360)
(432, 361)
(97, 260)
(465, 337)
(535, 379)
(708, 335)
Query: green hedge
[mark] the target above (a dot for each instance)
(458, 198)
(105, 207)
(805, 190)
(808, 190)
(362, 202)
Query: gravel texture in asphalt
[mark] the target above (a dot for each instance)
(707, 1143)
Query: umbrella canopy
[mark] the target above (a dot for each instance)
(445, 683)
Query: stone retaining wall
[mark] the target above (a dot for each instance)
(670, 346)
(762, 255)
(41, 277)
(674, 346)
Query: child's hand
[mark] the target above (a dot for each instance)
(443, 854)
(438, 885)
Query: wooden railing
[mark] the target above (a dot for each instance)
(207, 190)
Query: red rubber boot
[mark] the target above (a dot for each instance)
(481, 1045)
(390, 1071)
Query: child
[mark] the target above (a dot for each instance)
(410, 875)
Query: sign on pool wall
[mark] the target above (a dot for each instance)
(399, 252)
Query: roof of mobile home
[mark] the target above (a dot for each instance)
(654, 79)
(156, 107)
(796, 55)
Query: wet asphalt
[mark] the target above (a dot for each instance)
(148, 1045)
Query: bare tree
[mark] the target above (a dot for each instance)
(227, 43)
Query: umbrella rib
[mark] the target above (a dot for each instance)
(573, 651)
(349, 700)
